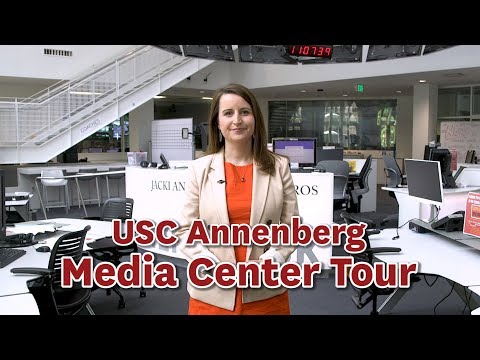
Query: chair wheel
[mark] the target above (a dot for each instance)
(143, 293)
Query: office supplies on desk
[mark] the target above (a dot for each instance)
(9, 255)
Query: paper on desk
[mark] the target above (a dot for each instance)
(32, 227)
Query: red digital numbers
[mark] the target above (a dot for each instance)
(324, 51)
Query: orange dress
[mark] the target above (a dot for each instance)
(239, 203)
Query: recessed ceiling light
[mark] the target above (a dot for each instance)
(398, 91)
(345, 95)
(201, 91)
(304, 91)
(207, 98)
(159, 97)
(422, 81)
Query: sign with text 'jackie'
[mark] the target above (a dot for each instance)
(159, 195)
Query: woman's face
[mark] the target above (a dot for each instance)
(235, 119)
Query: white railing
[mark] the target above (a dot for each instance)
(33, 121)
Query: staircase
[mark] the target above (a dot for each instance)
(36, 129)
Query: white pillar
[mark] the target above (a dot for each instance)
(140, 122)
(425, 99)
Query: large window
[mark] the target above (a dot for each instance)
(353, 124)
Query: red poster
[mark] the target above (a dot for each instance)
(471, 225)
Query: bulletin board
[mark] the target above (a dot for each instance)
(461, 136)
(167, 139)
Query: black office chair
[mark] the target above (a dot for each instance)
(106, 249)
(363, 296)
(340, 170)
(358, 186)
(393, 178)
(50, 296)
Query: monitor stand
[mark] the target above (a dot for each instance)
(433, 213)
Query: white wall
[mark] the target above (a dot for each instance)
(140, 132)
(29, 60)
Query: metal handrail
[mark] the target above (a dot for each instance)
(53, 111)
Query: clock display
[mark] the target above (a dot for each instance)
(321, 51)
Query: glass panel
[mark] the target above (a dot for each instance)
(476, 100)
(360, 124)
(454, 102)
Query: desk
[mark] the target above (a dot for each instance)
(22, 304)
(76, 177)
(27, 175)
(410, 208)
(159, 195)
(436, 255)
(22, 207)
(15, 285)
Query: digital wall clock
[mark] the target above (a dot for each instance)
(321, 51)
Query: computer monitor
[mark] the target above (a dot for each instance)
(3, 212)
(470, 157)
(424, 181)
(444, 157)
(298, 150)
(428, 151)
(329, 154)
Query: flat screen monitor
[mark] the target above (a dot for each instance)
(470, 157)
(424, 181)
(298, 150)
(329, 154)
(444, 157)
(3, 212)
(427, 152)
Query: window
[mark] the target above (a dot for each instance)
(111, 138)
(353, 125)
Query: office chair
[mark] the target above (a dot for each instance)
(106, 249)
(88, 179)
(393, 178)
(363, 296)
(340, 170)
(57, 183)
(359, 185)
(50, 296)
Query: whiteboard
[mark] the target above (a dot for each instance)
(167, 139)
(460, 135)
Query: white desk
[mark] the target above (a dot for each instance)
(22, 304)
(22, 207)
(159, 195)
(17, 284)
(409, 208)
(27, 175)
(436, 255)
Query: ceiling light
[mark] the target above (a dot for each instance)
(454, 75)
(207, 98)
(201, 91)
(303, 91)
(422, 81)
(84, 93)
(398, 91)
(159, 97)
(345, 95)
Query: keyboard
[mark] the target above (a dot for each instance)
(9, 255)
(301, 170)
